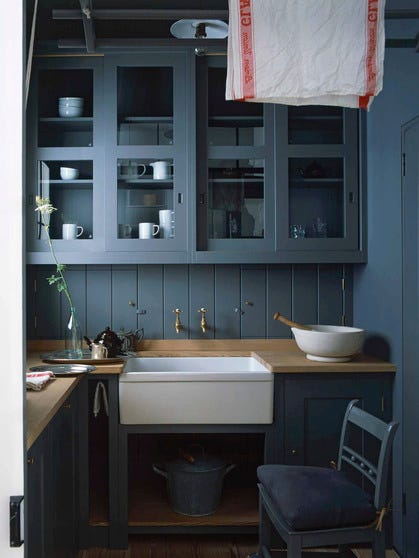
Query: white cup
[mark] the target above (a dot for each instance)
(167, 222)
(72, 231)
(161, 170)
(148, 230)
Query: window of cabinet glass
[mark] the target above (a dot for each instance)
(145, 199)
(233, 211)
(321, 162)
(65, 108)
(69, 186)
(145, 105)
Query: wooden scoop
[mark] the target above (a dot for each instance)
(290, 323)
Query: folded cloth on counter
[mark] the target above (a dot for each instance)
(306, 52)
(100, 391)
(37, 380)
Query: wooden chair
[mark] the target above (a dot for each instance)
(317, 507)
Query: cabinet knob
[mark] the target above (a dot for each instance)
(67, 406)
(30, 461)
(293, 452)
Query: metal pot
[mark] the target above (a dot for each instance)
(194, 487)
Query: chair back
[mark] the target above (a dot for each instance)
(376, 473)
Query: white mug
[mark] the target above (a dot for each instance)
(160, 170)
(72, 231)
(167, 222)
(148, 230)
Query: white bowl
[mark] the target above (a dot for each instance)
(70, 111)
(75, 101)
(327, 343)
(68, 173)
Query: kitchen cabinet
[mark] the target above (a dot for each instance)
(211, 181)
(314, 407)
(148, 143)
(56, 142)
(51, 488)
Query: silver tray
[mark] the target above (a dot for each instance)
(61, 357)
(64, 369)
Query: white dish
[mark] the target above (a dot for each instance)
(74, 101)
(327, 343)
(66, 112)
(68, 173)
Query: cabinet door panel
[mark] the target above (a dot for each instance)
(37, 498)
(314, 410)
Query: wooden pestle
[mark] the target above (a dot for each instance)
(290, 323)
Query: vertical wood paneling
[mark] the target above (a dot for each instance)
(150, 300)
(124, 297)
(330, 294)
(253, 301)
(201, 295)
(176, 291)
(48, 311)
(76, 281)
(307, 293)
(227, 302)
(279, 291)
(98, 299)
(348, 306)
(304, 296)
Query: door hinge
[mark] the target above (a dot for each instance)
(404, 164)
(404, 506)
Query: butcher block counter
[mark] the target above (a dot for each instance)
(278, 355)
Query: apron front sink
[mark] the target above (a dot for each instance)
(195, 390)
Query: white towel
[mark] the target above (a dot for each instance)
(306, 52)
(37, 380)
(100, 393)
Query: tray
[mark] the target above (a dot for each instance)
(64, 369)
(59, 357)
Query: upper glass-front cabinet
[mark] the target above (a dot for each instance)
(65, 150)
(319, 162)
(234, 170)
(147, 155)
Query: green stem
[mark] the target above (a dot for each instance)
(62, 278)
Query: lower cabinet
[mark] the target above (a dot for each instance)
(314, 406)
(51, 487)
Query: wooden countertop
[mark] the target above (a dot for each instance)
(278, 355)
(42, 405)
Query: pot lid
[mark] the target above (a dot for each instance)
(201, 464)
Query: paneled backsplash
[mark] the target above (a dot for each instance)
(240, 299)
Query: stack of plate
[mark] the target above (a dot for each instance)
(70, 106)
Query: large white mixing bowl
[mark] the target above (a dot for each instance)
(327, 343)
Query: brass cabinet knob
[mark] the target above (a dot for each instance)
(30, 461)
(293, 452)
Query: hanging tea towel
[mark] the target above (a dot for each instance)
(305, 52)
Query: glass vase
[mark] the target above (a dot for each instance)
(73, 337)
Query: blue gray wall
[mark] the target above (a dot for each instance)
(240, 299)
(378, 285)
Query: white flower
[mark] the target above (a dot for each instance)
(44, 206)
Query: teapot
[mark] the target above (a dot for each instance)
(109, 339)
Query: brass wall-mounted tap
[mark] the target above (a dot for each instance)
(178, 325)
(203, 319)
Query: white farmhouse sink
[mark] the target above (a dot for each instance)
(195, 390)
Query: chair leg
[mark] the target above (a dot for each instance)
(379, 545)
(294, 549)
(265, 529)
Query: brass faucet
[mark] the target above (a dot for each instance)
(178, 325)
(203, 319)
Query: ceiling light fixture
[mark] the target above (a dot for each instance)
(199, 29)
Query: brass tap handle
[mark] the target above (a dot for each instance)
(178, 325)
(203, 319)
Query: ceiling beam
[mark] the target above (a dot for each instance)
(138, 14)
(86, 10)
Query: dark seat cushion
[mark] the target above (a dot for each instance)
(311, 498)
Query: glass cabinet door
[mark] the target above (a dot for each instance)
(234, 169)
(65, 151)
(147, 148)
(321, 164)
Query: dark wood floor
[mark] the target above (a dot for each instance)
(179, 546)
